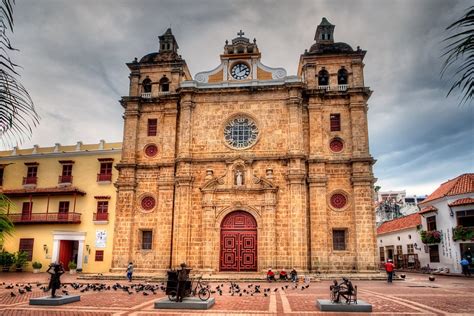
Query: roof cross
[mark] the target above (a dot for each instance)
(240, 33)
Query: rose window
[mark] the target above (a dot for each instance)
(148, 203)
(151, 150)
(241, 132)
(338, 200)
(336, 145)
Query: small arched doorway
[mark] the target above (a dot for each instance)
(238, 242)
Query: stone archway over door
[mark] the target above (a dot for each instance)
(238, 242)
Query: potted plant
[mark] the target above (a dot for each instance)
(463, 233)
(72, 267)
(430, 236)
(36, 266)
(20, 260)
(6, 260)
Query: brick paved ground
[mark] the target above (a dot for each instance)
(414, 296)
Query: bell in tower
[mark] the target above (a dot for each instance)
(325, 32)
(168, 43)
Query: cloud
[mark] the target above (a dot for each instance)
(74, 55)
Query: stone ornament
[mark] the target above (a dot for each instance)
(336, 145)
(151, 150)
(148, 203)
(338, 200)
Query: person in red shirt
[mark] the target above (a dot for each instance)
(270, 275)
(389, 267)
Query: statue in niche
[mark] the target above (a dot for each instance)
(239, 177)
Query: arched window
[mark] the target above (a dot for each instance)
(323, 78)
(164, 84)
(146, 85)
(342, 76)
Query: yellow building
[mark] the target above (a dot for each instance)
(63, 203)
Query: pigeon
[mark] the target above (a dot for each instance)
(276, 289)
(21, 291)
(9, 286)
(12, 294)
(265, 294)
(145, 294)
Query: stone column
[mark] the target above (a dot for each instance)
(318, 222)
(268, 253)
(315, 128)
(80, 255)
(365, 241)
(131, 122)
(360, 134)
(208, 224)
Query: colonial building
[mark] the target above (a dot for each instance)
(244, 168)
(63, 203)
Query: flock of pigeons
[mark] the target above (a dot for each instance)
(148, 289)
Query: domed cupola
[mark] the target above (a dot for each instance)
(168, 49)
(325, 44)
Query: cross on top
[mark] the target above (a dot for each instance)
(240, 33)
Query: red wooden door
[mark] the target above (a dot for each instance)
(238, 242)
(65, 252)
(26, 211)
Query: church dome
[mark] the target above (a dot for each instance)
(149, 58)
(330, 48)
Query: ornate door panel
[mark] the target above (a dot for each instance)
(238, 242)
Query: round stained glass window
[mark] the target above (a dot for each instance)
(148, 203)
(241, 132)
(338, 200)
(151, 150)
(336, 145)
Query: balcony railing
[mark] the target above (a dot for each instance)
(101, 217)
(64, 179)
(40, 218)
(104, 177)
(326, 88)
(30, 180)
(146, 95)
(340, 87)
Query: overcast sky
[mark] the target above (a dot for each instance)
(73, 55)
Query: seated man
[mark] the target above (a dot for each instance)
(293, 275)
(345, 290)
(270, 275)
(283, 275)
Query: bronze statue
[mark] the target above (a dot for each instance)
(183, 276)
(56, 270)
(344, 289)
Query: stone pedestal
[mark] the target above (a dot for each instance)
(328, 306)
(187, 303)
(59, 300)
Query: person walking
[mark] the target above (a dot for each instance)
(389, 267)
(130, 271)
(465, 267)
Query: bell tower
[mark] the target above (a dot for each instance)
(325, 32)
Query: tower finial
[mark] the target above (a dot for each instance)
(240, 33)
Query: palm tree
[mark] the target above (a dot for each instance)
(459, 54)
(17, 112)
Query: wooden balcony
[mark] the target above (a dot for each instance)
(101, 217)
(104, 177)
(45, 218)
(64, 179)
(30, 180)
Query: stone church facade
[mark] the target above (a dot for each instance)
(245, 168)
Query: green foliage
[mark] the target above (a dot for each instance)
(37, 265)
(72, 265)
(6, 259)
(20, 259)
(430, 236)
(6, 226)
(459, 54)
(463, 233)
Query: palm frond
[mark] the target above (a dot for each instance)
(459, 57)
(6, 226)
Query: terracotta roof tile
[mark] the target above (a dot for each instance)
(397, 224)
(464, 201)
(428, 209)
(44, 191)
(460, 185)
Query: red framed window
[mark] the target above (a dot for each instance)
(147, 239)
(106, 168)
(152, 127)
(431, 222)
(339, 239)
(102, 206)
(63, 206)
(32, 171)
(99, 255)
(26, 245)
(335, 122)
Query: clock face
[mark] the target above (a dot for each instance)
(240, 71)
(241, 132)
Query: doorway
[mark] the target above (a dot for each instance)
(68, 252)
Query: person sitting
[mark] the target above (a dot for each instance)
(270, 275)
(346, 290)
(293, 275)
(283, 275)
